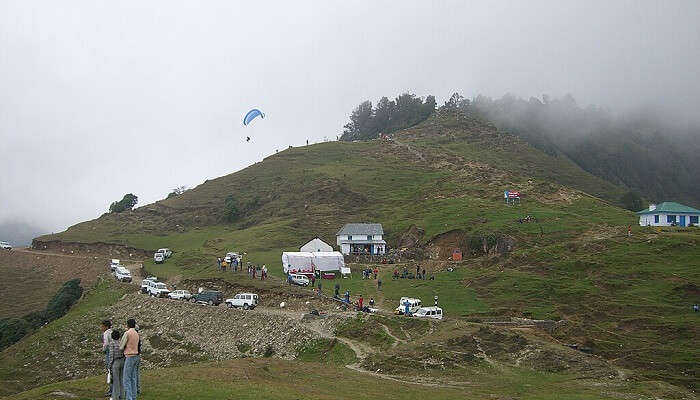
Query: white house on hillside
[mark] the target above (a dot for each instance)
(669, 214)
(361, 239)
(316, 245)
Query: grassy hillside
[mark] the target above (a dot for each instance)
(277, 379)
(627, 298)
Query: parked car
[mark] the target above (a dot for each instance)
(243, 300)
(122, 274)
(301, 280)
(180, 295)
(166, 252)
(5, 246)
(114, 264)
(414, 305)
(211, 297)
(159, 258)
(428, 312)
(146, 282)
(158, 289)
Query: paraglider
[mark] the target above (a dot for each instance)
(251, 115)
(247, 138)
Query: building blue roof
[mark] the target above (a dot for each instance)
(669, 207)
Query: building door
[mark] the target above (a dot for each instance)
(682, 220)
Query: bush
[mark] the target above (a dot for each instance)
(126, 203)
(231, 211)
(12, 330)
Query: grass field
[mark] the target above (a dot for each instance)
(276, 379)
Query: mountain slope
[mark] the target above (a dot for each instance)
(621, 296)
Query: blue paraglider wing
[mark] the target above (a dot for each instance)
(251, 116)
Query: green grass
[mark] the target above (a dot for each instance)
(327, 351)
(278, 379)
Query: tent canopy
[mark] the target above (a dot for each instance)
(303, 262)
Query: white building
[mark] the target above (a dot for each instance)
(361, 239)
(315, 245)
(669, 214)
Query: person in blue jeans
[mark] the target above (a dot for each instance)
(130, 346)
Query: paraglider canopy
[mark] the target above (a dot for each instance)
(251, 116)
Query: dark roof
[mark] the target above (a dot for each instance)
(361, 229)
(670, 207)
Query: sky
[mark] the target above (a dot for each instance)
(103, 98)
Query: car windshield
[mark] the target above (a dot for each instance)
(160, 286)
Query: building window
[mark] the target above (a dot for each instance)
(670, 219)
(349, 237)
(693, 219)
(656, 219)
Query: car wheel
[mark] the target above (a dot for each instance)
(229, 305)
(192, 300)
(211, 303)
(245, 306)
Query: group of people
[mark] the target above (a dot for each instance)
(253, 271)
(420, 274)
(234, 266)
(369, 273)
(232, 263)
(122, 360)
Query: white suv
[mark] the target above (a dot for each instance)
(413, 305)
(5, 245)
(166, 252)
(159, 258)
(146, 282)
(114, 264)
(180, 295)
(244, 300)
(429, 312)
(301, 280)
(122, 274)
(158, 289)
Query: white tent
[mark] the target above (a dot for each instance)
(316, 245)
(306, 262)
(297, 262)
(328, 261)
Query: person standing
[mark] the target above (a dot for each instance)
(347, 296)
(337, 290)
(379, 284)
(218, 262)
(423, 273)
(116, 366)
(129, 344)
(436, 300)
(376, 271)
(106, 326)
(360, 301)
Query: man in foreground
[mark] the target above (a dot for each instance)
(129, 344)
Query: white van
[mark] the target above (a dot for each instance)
(301, 280)
(413, 304)
(428, 312)
(122, 274)
(243, 300)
